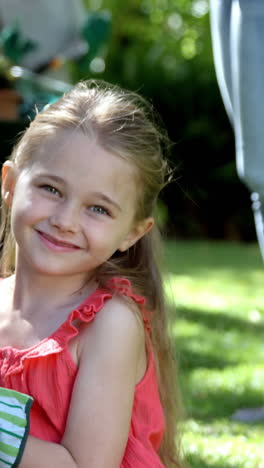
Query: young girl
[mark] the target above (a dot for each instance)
(82, 324)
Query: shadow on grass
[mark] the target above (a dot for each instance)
(183, 257)
(196, 461)
(190, 360)
(215, 363)
(214, 340)
(219, 404)
(218, 320)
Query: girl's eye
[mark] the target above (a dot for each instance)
(50, 189)
(99, 210)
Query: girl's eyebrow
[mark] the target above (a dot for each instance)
(52, 177)
(107, 199)
(99, 195)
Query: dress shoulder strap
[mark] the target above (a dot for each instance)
(122, 286)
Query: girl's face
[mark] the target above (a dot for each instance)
(73, 208)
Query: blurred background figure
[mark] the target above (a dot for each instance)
(52, 27)
(237, 28)
(39, 43)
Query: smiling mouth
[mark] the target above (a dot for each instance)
(56, 244)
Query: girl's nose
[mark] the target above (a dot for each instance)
(65, 218)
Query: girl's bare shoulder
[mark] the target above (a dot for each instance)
(119, 315)
(117, 327)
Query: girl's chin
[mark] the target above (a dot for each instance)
(36, 269)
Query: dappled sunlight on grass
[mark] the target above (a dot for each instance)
(224, 445)
(215, 394)
(215, 275)
(215, 295)
(219, 290)
(228, 346)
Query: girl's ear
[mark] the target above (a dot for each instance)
(139, 230)
(8, 182)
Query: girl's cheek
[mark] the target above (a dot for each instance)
(26, 210)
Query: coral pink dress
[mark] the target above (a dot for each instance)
(47, 372)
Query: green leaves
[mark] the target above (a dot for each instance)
(14, 45)
(95, 31)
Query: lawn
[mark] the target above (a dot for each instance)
(215, 295)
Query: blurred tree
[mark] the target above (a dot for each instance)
(162, 48)
(157, 33)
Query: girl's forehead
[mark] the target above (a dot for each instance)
(81, 158)
(79, 149)
(53, 147)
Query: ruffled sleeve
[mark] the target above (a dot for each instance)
(123, 287)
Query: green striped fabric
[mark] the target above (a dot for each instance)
(14, 426)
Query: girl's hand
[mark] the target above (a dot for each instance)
(14, 426)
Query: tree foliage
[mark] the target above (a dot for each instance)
(162, 48)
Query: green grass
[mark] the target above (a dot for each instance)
(215, 294)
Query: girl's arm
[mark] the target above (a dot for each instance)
(100, 412)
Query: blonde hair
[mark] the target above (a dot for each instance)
(123, 124)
